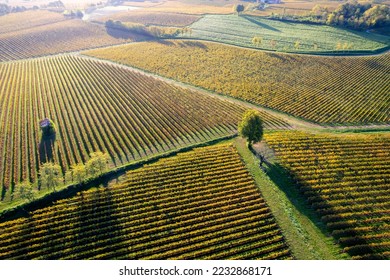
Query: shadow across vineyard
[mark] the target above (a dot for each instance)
(46, 148)
(290, 185)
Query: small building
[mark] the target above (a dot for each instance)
(44, 123)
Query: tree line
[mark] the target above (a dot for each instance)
(352, 15)
(151, 31)
(51, 175)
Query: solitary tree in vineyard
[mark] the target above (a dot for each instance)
(251, 127)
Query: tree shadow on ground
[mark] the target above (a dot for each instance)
(193, 44)
(127, 35)
(260, 24)
(46, 148)
(290, 185)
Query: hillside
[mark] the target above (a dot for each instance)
(284, 36)
(326, 90)
(195, 213)
(99, 107)
(345, 180)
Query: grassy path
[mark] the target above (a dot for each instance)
(304, 232)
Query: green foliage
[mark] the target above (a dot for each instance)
(97, 163)
(78, 172)
(360, 15)
(50, 175)
(26, 190)
(154, 31)
(251, 126)
(256, 40)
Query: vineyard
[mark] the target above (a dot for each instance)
(177, 208)
(283, 36)
(99, 107)
(30, 19)
(58, 37)
(309, 87)
(346, 181)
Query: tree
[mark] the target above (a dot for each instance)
(79, 172)
(238, 8)
(25, 190)
(97, 164)
(297, 44)
(50, 175)
(251, 127)
(256, 41)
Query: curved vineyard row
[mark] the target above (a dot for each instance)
(58, 37)
(346, 181)
(27, 20)
(98, 106)
(313, 88)
(177, 208)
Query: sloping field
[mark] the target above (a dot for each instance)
(346, 181)
(58, 37)
(177, 208)
(99, 107)
(282, 36)
(326, 90)
(155, 18)
(29, 19)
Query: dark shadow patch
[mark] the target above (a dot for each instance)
(318, 210)
(165, 42)
(260, 24)
(46, 148)
(118, 33)
(194, 44)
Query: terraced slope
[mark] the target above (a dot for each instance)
(99, 107)
(346, 181)
(177, 208)
(326, 90)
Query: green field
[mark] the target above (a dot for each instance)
(282, 36)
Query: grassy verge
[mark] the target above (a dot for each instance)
(305, 236)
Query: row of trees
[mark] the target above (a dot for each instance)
(153, 31)
(51, 175)
(359, 15)
(352, 14)
(5, 9)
